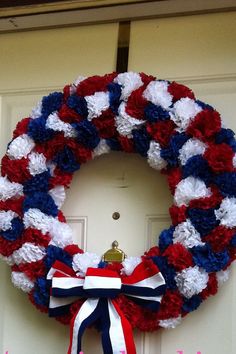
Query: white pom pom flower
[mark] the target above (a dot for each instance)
(79, 79)
(97, 103)
(222, 276)
(157, 93)
(55, 123)
(58, 194)
(191, 148)
(154, 156)
(61, 233)
(21, 281)
(36, 111)
(234, 161)
(51, 166)
(191, 281)
(129, 264)
(170, 322)
(125, 123)
(184, 112)
(6, 218)
(186, 234)
(82, 261)
(129, 82)
(190, 188)
(9, 189)
(37, 163)
(20, 147)
(227, 212)
(101, 148)
(28, 253)
(34, 218)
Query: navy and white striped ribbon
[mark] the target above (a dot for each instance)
(100, 287)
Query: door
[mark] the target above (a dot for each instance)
(197, 50)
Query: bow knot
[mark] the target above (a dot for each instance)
(100, 282)
(100, 287)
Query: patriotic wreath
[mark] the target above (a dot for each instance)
(180, 136)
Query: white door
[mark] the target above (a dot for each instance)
(198, 50)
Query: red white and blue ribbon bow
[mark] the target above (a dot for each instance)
(100, 287)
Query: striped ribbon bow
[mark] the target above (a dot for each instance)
(100, 287)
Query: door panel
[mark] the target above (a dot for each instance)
(199, 52)
(124, 183)
(52, 58)
(185, 47)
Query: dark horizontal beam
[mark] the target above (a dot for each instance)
(24, 7)
(117, 11)
(16, 3)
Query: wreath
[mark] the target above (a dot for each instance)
(178, 135)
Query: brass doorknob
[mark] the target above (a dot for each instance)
(114, 254)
